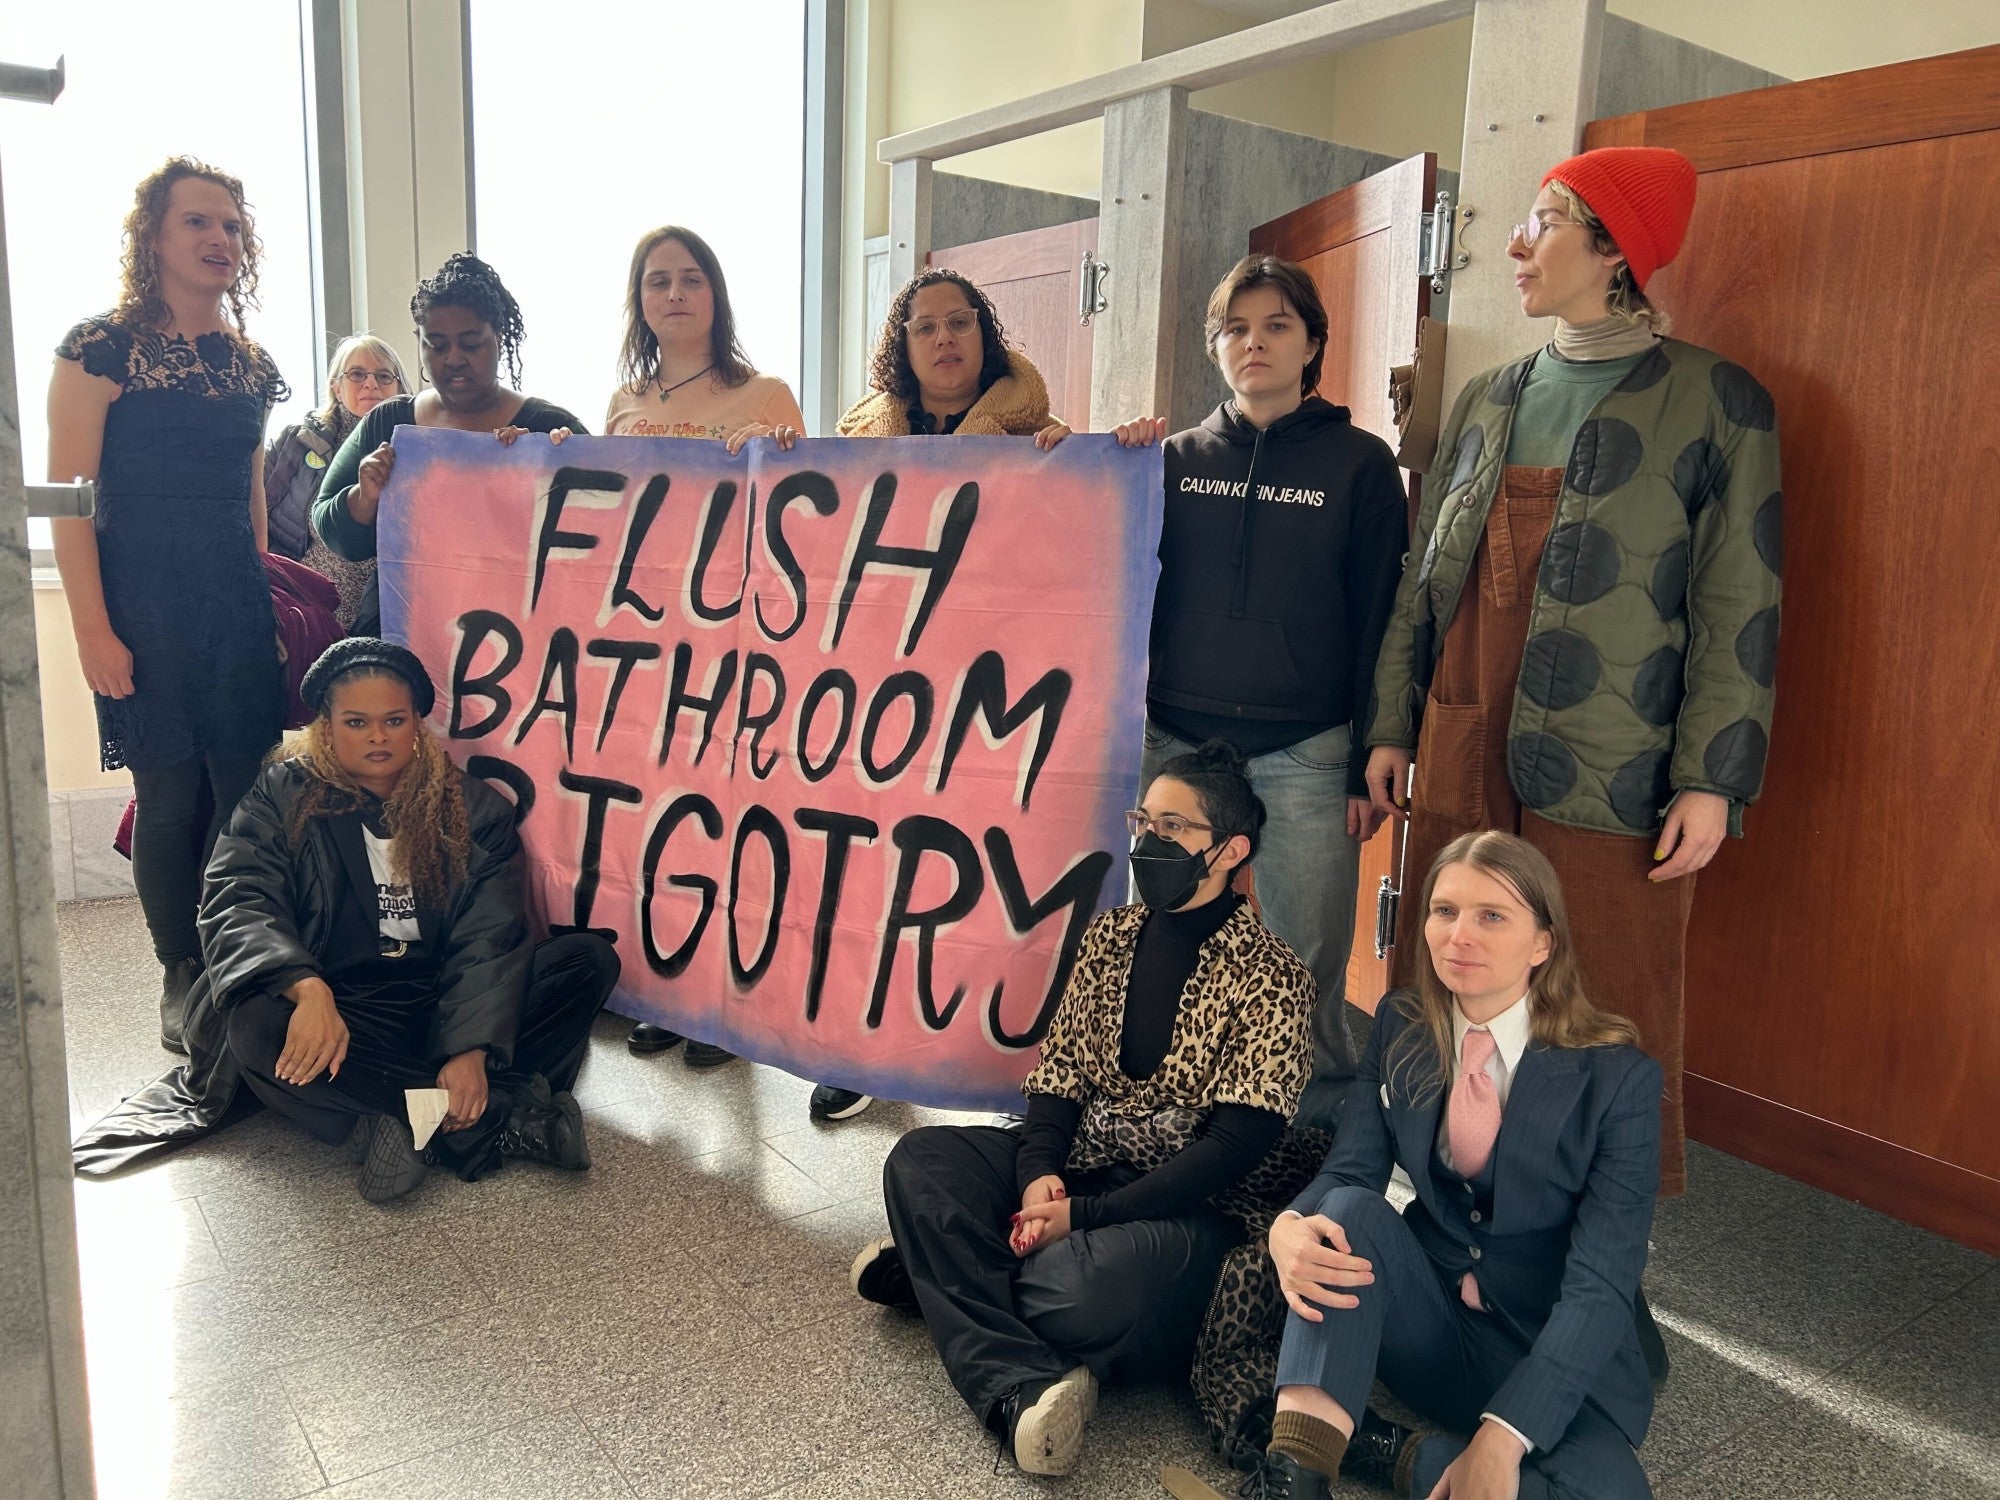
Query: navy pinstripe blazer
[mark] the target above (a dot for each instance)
(1560, 1243)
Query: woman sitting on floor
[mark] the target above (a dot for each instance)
(363, 927)
(1500, 1304)
(1088, 1244)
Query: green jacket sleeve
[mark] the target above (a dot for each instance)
(344, 535)
(1400, 676)
(1734, 590)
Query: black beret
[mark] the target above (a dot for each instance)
(366, 651)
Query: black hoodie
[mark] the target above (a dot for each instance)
(1270, 610)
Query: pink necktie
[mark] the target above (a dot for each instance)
(1472, 1123)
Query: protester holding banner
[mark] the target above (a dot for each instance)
(942, 366)
(468, 322)
(1087, 1244)
(1584, 648)
(365, 933)
(363, 373)
(163, 401)
(685, 374)
(1283, 537)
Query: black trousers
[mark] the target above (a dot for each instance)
(180, 811)
(1443, 1358)
(569, 979)
(1127, 1300)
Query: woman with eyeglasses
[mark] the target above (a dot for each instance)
(1584, 644)
(363, 373)
(942, 366)
(469, 324)
(1087, 1244)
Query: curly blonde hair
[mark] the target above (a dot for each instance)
(139, 300)
(425, 815)
(1624, 300)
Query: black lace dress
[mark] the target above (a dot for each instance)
(183, 583)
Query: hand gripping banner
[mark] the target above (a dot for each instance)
(835, 744)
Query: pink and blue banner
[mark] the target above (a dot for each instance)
(834, 743)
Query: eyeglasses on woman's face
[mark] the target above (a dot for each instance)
(959, 323)
(383, 378)
(1539, 224)
(1167, 825)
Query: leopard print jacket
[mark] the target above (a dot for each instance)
(1243, 1036)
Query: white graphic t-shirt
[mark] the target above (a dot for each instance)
(395, 905)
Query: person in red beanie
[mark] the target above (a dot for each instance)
(1584, 643)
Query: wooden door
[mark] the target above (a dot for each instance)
(1033, 278)
(1843, 1015)
(1363, 247)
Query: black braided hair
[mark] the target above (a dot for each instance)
(1219, 777)
(467, 281)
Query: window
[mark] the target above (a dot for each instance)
(601, 119)
(144, 83)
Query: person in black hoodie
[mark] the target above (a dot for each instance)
(1283, 540)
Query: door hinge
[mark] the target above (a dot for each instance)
(1090, 298)
(1437, 260)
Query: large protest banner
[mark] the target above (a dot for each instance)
(835, 743)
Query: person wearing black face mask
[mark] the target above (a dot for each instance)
(1092, 1242)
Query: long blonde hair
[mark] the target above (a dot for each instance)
(1624, 300)
(1559, 1012)
(353, 344)
(425, 815)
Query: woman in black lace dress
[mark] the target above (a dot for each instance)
(163, 401)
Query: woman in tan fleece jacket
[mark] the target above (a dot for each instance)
(942, 368)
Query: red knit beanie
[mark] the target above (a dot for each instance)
(1643, 194)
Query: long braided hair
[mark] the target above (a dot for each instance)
(467, 281)
(140, 302)
(425, 814)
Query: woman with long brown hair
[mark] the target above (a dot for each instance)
(1501, 1304)
(163, 402)
(683, 371)
(365, 933)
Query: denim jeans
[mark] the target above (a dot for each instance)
(1307, 870)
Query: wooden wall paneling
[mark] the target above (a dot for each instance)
(1842, 1015)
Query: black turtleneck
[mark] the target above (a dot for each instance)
(1229, 1145)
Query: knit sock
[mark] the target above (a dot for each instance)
(1308, 1442)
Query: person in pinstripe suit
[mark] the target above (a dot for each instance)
(1501, 1304)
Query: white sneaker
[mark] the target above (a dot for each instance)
(1048, 1436)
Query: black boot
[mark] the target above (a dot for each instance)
(174, 986)
(1283, 1477)
(547, 1128)
(1376, 1451)
(646, 1038)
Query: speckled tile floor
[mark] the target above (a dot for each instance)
(676, 1323)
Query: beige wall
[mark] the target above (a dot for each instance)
(947, 58)
(1399, 96)
(69, 714)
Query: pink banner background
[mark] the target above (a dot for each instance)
(750, 932)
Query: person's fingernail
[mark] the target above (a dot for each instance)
(1659, 854)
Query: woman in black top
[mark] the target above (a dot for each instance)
(468, 322)
(1088, 1244)
(162, 401)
